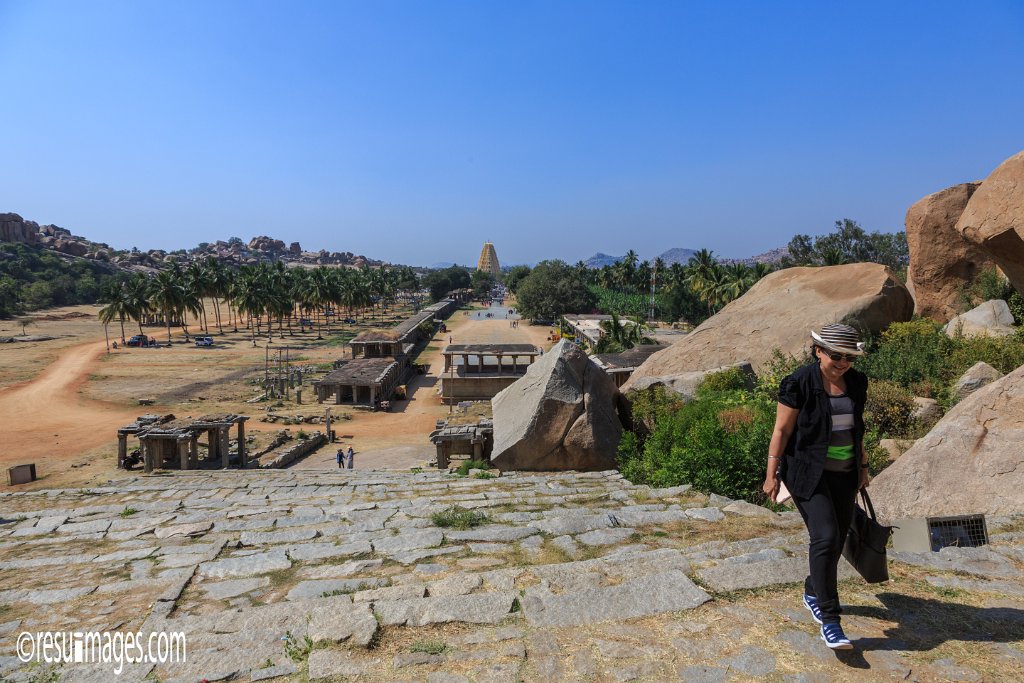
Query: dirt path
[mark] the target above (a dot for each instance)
(44, 420)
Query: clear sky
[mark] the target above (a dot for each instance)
(413, 131)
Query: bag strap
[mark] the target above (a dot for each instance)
(867, 504)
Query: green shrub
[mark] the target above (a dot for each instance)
(889, 410)
(723, 380)
(717, 442)
(464, 468)
(1016, 304)
(988, 284)
(458, 517)
(912, 354)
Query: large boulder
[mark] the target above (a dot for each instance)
(977, 376)
(559, 416)
(779, 312)
(994, 218)
(970, 462)
(942, 260)
(14, 228)
(990, 319)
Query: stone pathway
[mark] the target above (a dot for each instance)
(344, 575)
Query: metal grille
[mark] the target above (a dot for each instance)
(965, 531)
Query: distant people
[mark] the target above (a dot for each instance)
(351, 458)
(341, 457)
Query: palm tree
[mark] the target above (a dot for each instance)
(118, 306)
(167, 295)
(199, 282)
(136, 293)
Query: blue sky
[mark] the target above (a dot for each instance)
(413, 131)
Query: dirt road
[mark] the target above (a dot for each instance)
(45, 420)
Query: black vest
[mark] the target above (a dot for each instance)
(804, 458)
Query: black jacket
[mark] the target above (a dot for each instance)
(804, 458)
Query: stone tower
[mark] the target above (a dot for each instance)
(489, 261)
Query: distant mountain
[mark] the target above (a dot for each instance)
(600, 260)
(772, 257)
(677, 255)
(441, 265)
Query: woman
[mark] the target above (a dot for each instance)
(817, 450)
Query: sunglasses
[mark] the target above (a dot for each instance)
(836, 357)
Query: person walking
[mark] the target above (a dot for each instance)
(351, 458)
(817, 451)
(341, 457)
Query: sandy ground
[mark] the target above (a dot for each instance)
(62, 400)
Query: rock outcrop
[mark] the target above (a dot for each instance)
(990, 319)
(14, 228)
(269, 244)
(970, 462)
(942, 260)
(994, 218)
(779, 312)
(978, 375)
(685, 384)
(560, 416)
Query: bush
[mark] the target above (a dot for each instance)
(724, 380)
(889, 410)
(464, 468)
(717, 442)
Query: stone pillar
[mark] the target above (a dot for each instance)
(478, 450)
(373, 395)
(500, 358)
(480, 363)
(213, 443)
(515, 365)
(193, 452)
(222, 436)
(447, 362)
(241, 442)
(183, 453)
(122, 450)
(337, 395)
(147, 458)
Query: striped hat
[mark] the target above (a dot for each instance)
(841, 338)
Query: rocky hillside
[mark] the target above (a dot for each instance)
(14, 228)
(367, 575)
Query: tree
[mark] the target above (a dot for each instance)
(849, 243)
(440, 282)
(552, 289)
(167, 295)
(482, 283)
(514, 276)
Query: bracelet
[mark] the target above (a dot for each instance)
(775, 457)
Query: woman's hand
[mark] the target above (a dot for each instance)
(771, 487)
(865, 478)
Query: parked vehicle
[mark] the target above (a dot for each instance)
(204, 341)
(140, 340)
(305, 322)
(350, 321)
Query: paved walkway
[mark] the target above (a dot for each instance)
(566, 577)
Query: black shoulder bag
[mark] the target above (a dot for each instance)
(866, 541)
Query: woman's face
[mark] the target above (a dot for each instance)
(832, 368)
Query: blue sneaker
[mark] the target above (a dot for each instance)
(811, 603)
(834, 637)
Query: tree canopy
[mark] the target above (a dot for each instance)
(552, 289)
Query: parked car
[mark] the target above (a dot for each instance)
(305, 322)
(350, 321)
(204, 341)
(140, 340)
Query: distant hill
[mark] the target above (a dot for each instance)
(441, 265)
(677, 255)
(771, 257)
(600, 260)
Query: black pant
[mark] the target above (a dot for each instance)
(827, 514)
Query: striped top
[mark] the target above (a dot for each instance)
(840, 445)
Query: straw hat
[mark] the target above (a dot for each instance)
(839, 338)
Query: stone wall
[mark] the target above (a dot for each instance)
(300, 449)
